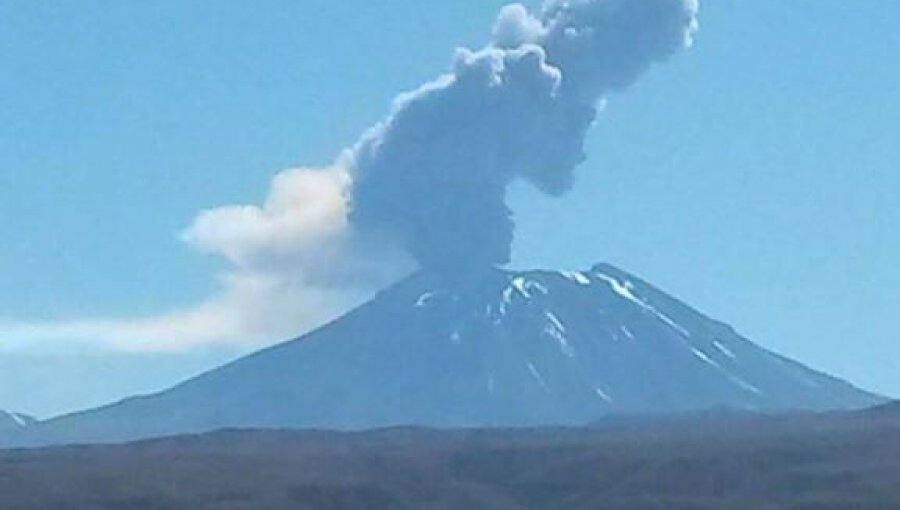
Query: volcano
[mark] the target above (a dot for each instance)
(496, 349)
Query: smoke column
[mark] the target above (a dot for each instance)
(434, 174)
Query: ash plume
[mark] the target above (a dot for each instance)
(435, 173)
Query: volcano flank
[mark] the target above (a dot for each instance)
(501, 348)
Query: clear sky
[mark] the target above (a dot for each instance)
(755, 176)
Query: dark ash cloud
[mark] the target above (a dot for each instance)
(434, 174)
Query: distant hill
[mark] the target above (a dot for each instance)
(498, 348)
(14, 421)
(714, 461)
(892, 408)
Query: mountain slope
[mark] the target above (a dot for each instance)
(499, 349)
(14, 421)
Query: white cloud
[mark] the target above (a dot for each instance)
(294, 265)
(304, 207)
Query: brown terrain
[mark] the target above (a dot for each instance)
(715, 461)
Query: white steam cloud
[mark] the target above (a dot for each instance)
(294, 264)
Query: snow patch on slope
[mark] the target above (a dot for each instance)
(626, 290)
(724, 350)
(577, 277)
(15, 420)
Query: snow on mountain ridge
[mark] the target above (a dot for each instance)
(543, 297)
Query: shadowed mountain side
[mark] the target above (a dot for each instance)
(14, 421)
(714, 461)
(499, 349)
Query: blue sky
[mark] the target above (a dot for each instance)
(753, 176)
